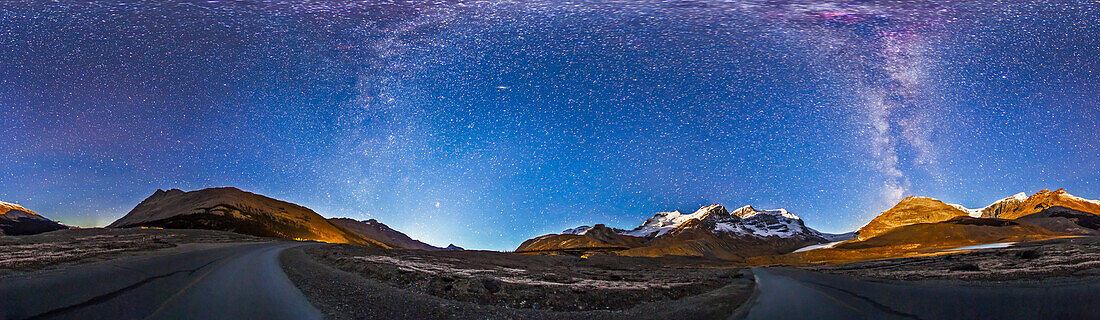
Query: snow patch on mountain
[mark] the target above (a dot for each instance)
(577, 231)
(1097, 202)
(826, 245)
(975, 213)
(978, 213)
(1018, 197)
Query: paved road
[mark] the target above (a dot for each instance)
(796, 294)
(236, 282)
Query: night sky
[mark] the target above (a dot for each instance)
(484, 123)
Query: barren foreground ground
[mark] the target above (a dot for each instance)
(133, 271)
(1069, 258)
(20, 254)
(351, 282)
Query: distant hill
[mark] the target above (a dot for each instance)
(925, 226)
(911, 210)
(594, 238)
(378, 231)
(17, 221)
(711, 232)
(231, 209)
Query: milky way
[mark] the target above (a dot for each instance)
(484, 123)
(885, 51)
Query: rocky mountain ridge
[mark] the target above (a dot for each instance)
(711, 231)
(922, 226)
(914, 210)
(15, 220)
(373, 229)
(231, 209)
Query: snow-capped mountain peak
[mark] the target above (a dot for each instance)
(745, 221)
(748, 211)
(766, 223)
(1070, 196)
(976, 213)
(664, 222)
(577, 231)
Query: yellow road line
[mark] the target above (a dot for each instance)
(188, 286)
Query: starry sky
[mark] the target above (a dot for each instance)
(484, 123)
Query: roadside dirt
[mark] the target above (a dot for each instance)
(353, 282)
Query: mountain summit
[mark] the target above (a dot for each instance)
(231, 209)
(911, 210)
(1041, 201)
(16, 220)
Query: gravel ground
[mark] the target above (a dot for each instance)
(351, 282)
(21, 254)
(1068, 258)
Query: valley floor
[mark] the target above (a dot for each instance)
(351, 282)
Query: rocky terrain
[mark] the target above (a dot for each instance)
(231, 209)
(711, 232)
(356, 282)
(16, 220)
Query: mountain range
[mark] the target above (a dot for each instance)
(711, 231)
(913, 210)
(916, 225)
(231, 209)
(919, 226)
